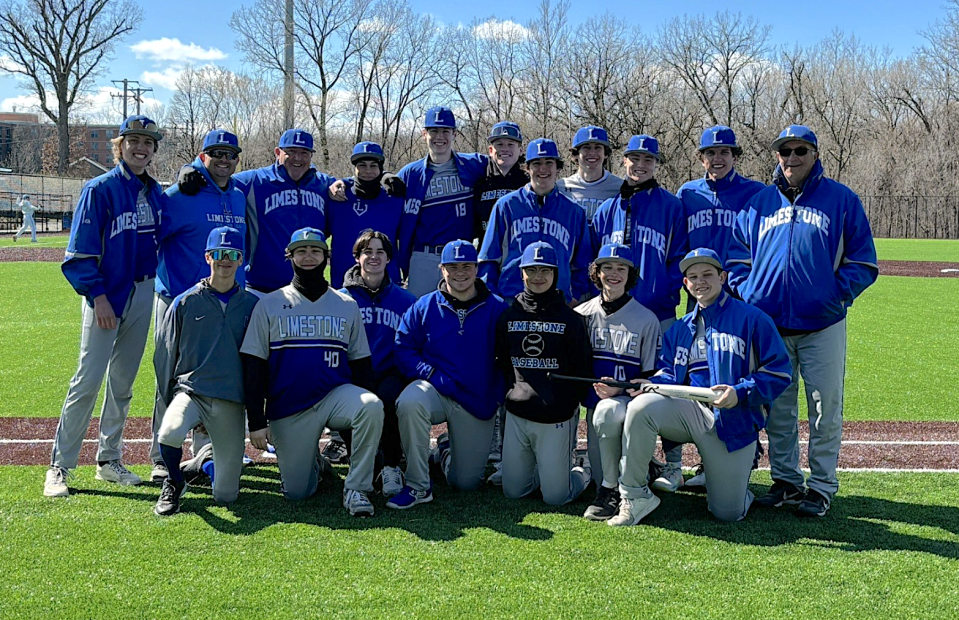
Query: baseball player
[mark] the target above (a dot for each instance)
(111, 262)
(439, 201)
(591, 185)
(504, 173)
(199, 373)
(306, 355)
(382, 304)
(184, 230)
(625, 337)
(27, 208)
(802, 251)
(649, 220)
(444, 344)
(535, 336)
(730, 347)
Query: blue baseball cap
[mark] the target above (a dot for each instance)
(539, 254)
(296, 139)
(140, 125)
(700, 255)
(505, 129)
(439, 117)
(590, 133)
(221, 139)
(643, 144)
(459, 251)
(307, 236)
(224, 238)
(615, 252)
(720, 135)
(367, 150)
(796, 132)
(542, 148)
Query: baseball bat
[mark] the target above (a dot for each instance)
(552, 376)
(705, 395)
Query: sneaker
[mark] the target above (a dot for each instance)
(814, 505)
(56, 483)
(325, 466)
(698, 481)
(336, 452)
(193, 468)
(440, 454)
(632, 511)
(357, 503)
(407, 498)
(159, 473)
(496, 478)
(247, 460)
(670, 479)
(114, 471)
(170, 494)
(392, 480)
(269, 453)
(780, 494)
(582, 466)
(605, 506)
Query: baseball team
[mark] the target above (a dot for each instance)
(479, 290)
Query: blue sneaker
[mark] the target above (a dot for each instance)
(407, 498)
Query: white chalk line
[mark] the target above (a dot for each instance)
(850, 442)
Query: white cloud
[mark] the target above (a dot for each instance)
(23, 103)
(7, 64)
(166, 49)
(505, 30)
(162, 79)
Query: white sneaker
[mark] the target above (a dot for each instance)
(392, 478)
(114, 471)
(671, 478)
(357, 503)
(159, 473)
(699, 479)
(496, 478)
(632, 511)
(56, 482)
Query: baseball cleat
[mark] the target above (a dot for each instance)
(605, 506)
(670, 479)
(407, 498)
(357, 503)
(336, 452)
(781, 494)
(496, 478)
(698, 481)
(170, 494)
(392, 480)
(114, 471)
(814, 505)
(632, 511)
(55, 484)
(159, 473)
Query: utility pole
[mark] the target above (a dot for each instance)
(137, 95)
(129, 92)
(288, 96)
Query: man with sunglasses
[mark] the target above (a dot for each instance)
(187, 221)
(802, 251)
(199, 373)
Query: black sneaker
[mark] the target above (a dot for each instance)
(815, 505)
(336, 452)
(605, 506)
(170, 494)
(781, 494)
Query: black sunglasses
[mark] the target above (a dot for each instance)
(225, 254)
(800, 151)
(222, 154)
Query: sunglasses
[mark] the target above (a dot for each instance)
(225, 254)
(222, 154)
(800, 151)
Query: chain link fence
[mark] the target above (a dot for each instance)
(55, 196)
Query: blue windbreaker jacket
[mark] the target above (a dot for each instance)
(711, 208)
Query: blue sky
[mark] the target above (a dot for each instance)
(187, 30)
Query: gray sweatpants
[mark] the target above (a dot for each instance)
(225, 421)
(820, 358)
(673, 453)
(537, 455)
(420, 406)
(424, 273)
(297, 437)
(727, 481)
(116, 354)
(606, 424)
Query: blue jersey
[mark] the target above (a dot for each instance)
(711, 207)
(113, 241)
(275, 207)
(185, 223)
(346, 220)
(518, 219)
(381, 312)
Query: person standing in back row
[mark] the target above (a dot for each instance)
(591, 184)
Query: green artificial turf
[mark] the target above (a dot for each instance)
(937, 250)
(43, 241)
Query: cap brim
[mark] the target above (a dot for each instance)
(686, 263)
(307, 242)
(231, 147)
(656, 155)
(614, 259)
(142, 132)
(534, 264)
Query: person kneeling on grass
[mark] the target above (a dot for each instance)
(730, 347)
(537, 335)
(199, 374)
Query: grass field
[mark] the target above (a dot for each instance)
(43, 241)
(943, 250)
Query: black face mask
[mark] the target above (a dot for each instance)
(310, 282)
(368, 189)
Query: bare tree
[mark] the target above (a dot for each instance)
(547, 49)
(61, 45)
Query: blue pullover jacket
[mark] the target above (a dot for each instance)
(711, 207)
(346, 220)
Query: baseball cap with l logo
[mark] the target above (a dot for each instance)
(296, 138)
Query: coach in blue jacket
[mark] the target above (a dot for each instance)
(802, 251)
(445, 346)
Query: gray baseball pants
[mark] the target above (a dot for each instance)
(297, 437)
(606, 424)
(672, 451)
(424, 273)
(538, 455)
(649, 415)
(419, 407)
(116, 354)
(225, 420)
(820, 358)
